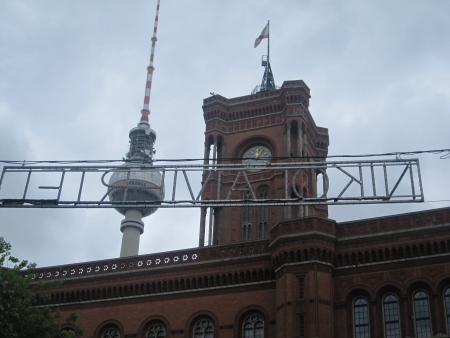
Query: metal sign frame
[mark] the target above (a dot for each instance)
(213, 175)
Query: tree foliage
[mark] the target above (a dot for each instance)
(19, 315)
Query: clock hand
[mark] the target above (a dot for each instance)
(257, 154)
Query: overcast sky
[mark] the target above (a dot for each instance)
(72, 78)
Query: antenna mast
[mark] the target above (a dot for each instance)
(148, 86)
(268, 82)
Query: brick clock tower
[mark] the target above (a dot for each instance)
(265, 127)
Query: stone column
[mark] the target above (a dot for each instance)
(211, 211)
(215, 152)
(217, 226)
(405, 312)
(201, 237)
(222, 152)
(206, 154)
(203, 211)
(287, 209)
(305, 142)
(288, 137)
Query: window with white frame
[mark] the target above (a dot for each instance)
(447, 307)
(361, 318)
(111, 332)
(263, 214)
(422, 314)
(204, 328)
(157, 330)
(391, 316)
(253, 326)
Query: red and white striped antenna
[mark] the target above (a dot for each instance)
(148, 86)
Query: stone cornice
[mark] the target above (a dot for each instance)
(165, 294)
(287, 85)
(190, 258)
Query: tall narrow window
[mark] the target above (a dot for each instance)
(263, 214)
(361, 318)
(246, 232)
(301, 287)
(422, 315)
(247, 218)
(391, 317)
(447, 308)
(296, 210)
(301, 325)
(253, 326)
(156, 331)
(204, 328)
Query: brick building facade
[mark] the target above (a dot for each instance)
(276, 272)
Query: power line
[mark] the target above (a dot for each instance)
(445, 155)
(437, 201)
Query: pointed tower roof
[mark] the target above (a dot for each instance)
(268, 82)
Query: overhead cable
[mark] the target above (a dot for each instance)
(445, 155)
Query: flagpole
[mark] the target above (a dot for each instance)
(268, 51)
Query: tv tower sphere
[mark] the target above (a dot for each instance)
(140, 183)
(143, 184)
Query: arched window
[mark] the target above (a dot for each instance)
(111, 332)
(263, 214)
(422, 314)
(361, 318)
(247, 218)
(157, 330)
(204, 328)
(447, 307)
(253, 326)
(391, 317)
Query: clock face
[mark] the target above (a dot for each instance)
(256, 157)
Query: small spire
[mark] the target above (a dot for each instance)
(268, 82)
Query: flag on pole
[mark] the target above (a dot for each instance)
(264, 35)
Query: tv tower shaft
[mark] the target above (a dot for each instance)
(138, 184)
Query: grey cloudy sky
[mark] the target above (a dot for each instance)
(72, 77)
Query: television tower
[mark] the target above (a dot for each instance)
(139, 182)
